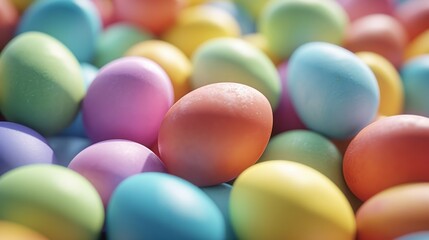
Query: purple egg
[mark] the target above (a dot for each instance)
(20, 145)
(127, 100)
(108, 163)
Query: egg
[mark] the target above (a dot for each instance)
(288, 200)
(388, 152)
(254, 7)
(332, 90)
(67, 147)
(106, 164)
(234, 60)
(359, 8)
(418, 46)
(394, 212)
(13, 231)
(137, 83)
(52, 200)
(41, 84)
(8, 21)
(161, 206)
(75, 23)
(260, 42)
(215, 132)
(414, 16)
(243, 18)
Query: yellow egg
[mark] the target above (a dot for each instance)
(259, 41)
(198, 24)
(418, 46)
(170, 58)
(389, 82)
(287, 200)
(13, 231)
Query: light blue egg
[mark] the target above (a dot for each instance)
(415, 76)
(424, 235)
(332, 90)
(76, 23)
(243, 18)
(66, 148)
(162, 206)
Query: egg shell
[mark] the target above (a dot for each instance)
(106, 164)
(67, 147)
(13, 231)
(41, 84)
(127, 100)
(290, 24)
(388, 152)
(49, 199)
(332, 90)
(20, 145)
(8, 21)
(418, 46)
(75, 23)
(215, 132)
(414, 16)
(394, 212)
(161, 206)
(234, 60)
(359, 8)
(422, 235)
(277, 200)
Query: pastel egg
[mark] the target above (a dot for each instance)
(388, 152)
(378, 33)
(67, 147)
(153, 16)
(418, 46)
(41, 83)
(359, 8)
(20, 145)
(106, 164)
(243, 18)
(422, 235)
(199, 24)
(215, 132)
(414, 15)
(311, 149)
(234, 60)
(332, 90)
(127, 100)
(13, 231)
(8, 21)
(116, 40)
(106, 11)
(171, 59)
(290, 24)
(394, 212)
(52, 200)
(288, 200)
(161, 206)
(74, 23)
(389, 82)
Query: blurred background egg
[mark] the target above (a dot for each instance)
(13, 231)
(8, 21)
(359, 8)
(414, 16)
(418, 46)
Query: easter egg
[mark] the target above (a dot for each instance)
(106, 11)
(359, 8)
(152, 15)
(288, 200)
(388, 152)
(75, 23)
(161, 206)
(243, 18)
(215, 132)
(394, 212)
(378, 33)
(127, 100)
(116, 40)
(414, 76)
(418, 46)
(171, 59)
(198, 24)
(52, 200)
(414, 16)
(67, 147)
(311, 149)
(8, 21)
(234, 60)
(423, 235)
(290, 24)
(41, 83)
(389, 83)
(13, 231)
(108, 163)
(20, 145)
(332, 90)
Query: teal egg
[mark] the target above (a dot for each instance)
(234, 60)
(332, 90)
(41, 83)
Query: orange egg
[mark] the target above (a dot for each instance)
(215, 132)
(13, 231)
(360, 8)
(388, 152)
(414, 15)
(8, 21)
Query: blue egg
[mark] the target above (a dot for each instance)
(66, 148)
(243, 18)
(424, 235)
(332, 90)
(162, 206)
(76, 23)
(415, 76)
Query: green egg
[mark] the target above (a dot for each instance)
(41, 84)
(234, 60)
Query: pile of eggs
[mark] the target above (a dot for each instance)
(214, 119)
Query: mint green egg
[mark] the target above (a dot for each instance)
(41, 84)
(234, 60)
(289, 24)
(52, 200)
(311, 149)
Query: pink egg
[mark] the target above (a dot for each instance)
(127, 100)
(106, 10)
(8, 22)
(108, 163)
(360, 8)
(414, 15)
